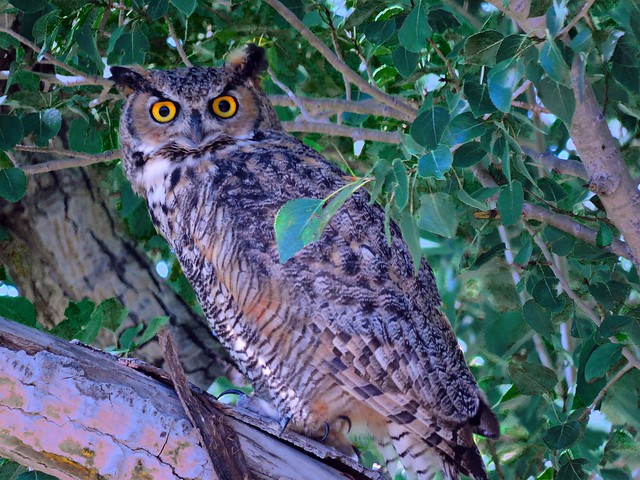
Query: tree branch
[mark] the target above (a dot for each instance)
(556, 164)
(561, 222)
(78, 159)
(79, 413)
(176, 40)
(50, 58)
(403, 106)
(343, 131)
(564, 284)
(324, 107)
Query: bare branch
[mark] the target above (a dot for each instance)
(556, 164)
(292, 96)
(78, 159)
(574, 21)
(324, 107)
(404, 106)
(561, 222)
(80, 413)
(64, 80)
(452, 72)
(50, 58)
(176, 40)
(343, 131)
(564, 284)
(604, 391)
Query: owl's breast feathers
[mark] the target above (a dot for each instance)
(346, 311)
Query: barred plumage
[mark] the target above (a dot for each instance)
(344, 329)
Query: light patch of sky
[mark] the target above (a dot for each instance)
(358, 145)
(162, 268)
(339, 8)
(8, 291)
(487, 7)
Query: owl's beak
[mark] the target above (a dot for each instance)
(197, 133)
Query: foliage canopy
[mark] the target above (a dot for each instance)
(461, 120)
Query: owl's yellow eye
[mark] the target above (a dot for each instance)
(224, 106)
(164, 111)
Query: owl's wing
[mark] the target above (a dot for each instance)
(378, 327)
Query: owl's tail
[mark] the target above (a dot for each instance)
(449, 448)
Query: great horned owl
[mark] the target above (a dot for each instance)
(344, 333)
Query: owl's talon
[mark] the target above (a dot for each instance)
(284, 421)
(231, 391)
(348, 420)
(327, 431)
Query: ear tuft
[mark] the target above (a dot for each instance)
(247, 61)
(127, 79)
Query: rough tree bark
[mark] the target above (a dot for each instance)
(67, 243)
(78, 413)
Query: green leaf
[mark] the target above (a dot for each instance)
(611, 294)
(154, 325)
(544, 293)
(404, 60)
(113, 313)
(435, 163)
(463, 128)
(601, 360)
(562, 436)
(44, 124)
(126, 338)
(464, 197)
(415, 29)
(582, 42)
(510, 203)
(553, 63)
(18, 309)
(428, 128)
(296, 225)
(82, 138)
(556, 15)
(381, 31)
(477, 94)
(551, 190)
(522, 258)
(157, 8)
(380, 172)
(503, 80)
(612, 324)
(35, 475)
(613, 474)
(29, 6)
(572, 470)
(438, 214)
(558, 99)
(560, 242)
(532, 378)
(131, 48)
(411, 235)
(398, 182)
(481, 48)
(512, 47)
(605, 236)
(13, 184)
(468, 155)
(547, 474)
(538, 319)
(77, 317)
(185, 6)
(10, 131)
(626, 66)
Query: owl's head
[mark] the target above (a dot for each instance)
(178, 113)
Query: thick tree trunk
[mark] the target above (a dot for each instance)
(67, 243)
(78, 413)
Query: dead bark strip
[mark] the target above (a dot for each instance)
(78, 413)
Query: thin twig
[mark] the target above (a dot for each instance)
(64, 80)
(343, 131)
(604, 391)
(564, 284)
(521, 89)
(324, 107)
(452, 72)
(78, 159)
(51, 59)
(532, 108)
(404, 106)
(574, 21)
(176, 40)
(289, 93)
(336, 47)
